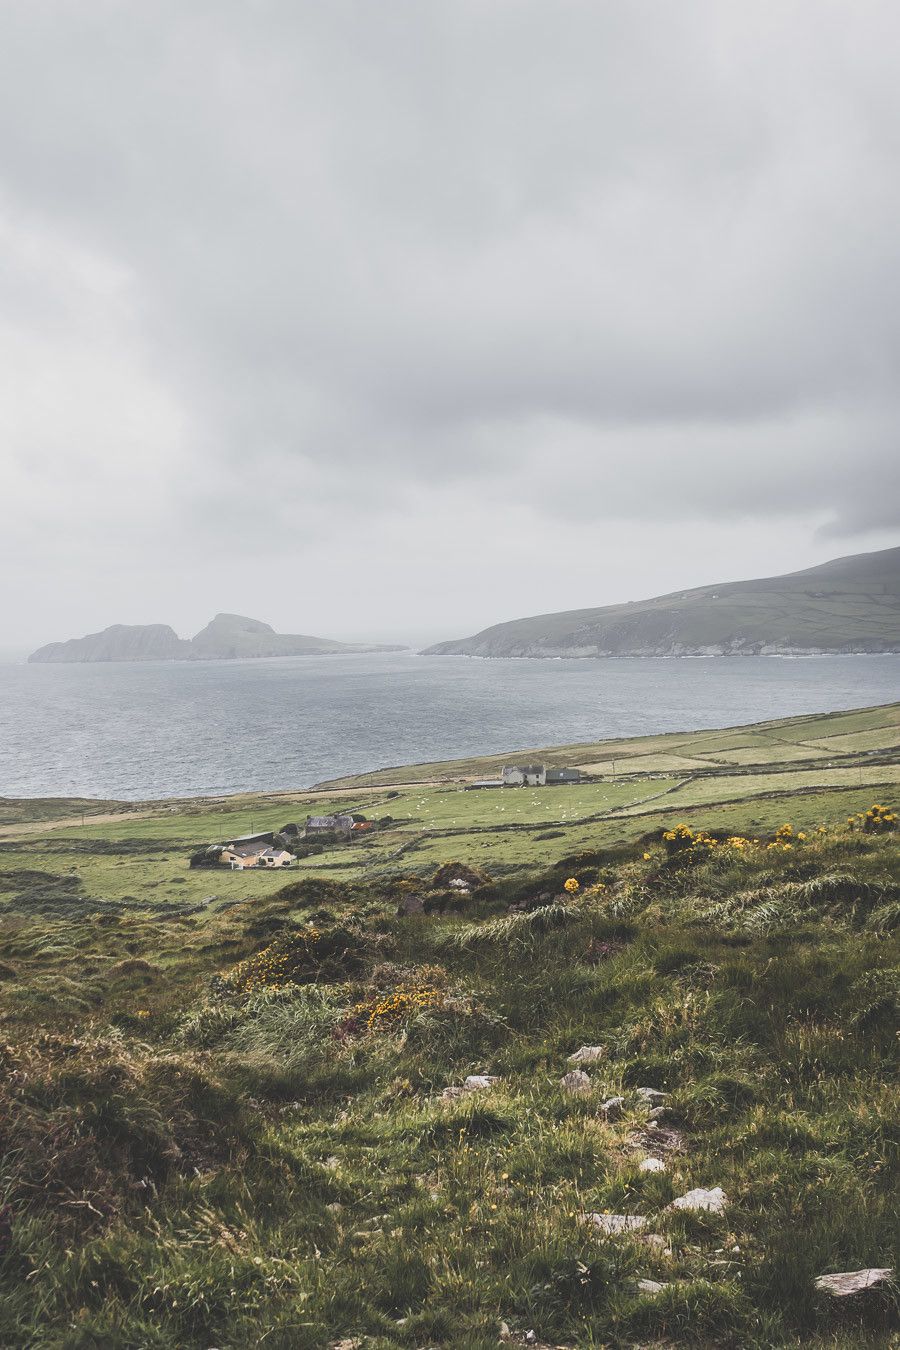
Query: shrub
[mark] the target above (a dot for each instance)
(296, 958)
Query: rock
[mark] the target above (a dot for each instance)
(476, 1082)
(411, 904)
(657, 1242)
(657, 1113)
(652, 1165)
(652, 1096)
(612, 1224)
(659, 1138)
(612, 1108)
(651, 1286)
(576, 1081)
(848, 1282)
(714, 1201)
(588, 1054)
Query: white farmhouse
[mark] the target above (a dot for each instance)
(523, 775)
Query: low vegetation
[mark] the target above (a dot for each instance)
(294, 1117)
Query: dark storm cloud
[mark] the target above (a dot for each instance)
(633, 261)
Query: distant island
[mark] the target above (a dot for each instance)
(227, 637)
(848, 605)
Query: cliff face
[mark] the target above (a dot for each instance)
(847, 605)
(226, 637)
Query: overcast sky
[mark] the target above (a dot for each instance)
(407, 317)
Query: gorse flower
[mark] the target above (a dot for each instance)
(573, 886)
(877, 820)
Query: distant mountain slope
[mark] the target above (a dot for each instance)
(226, 637)
(846, 605)
(120, 642)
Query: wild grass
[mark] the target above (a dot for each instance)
(187, 1162)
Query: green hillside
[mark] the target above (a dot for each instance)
(847, 605)
(233, 1108)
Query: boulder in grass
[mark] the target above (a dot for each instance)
(713, 1201)
(588, 1054)
(577, 1081)
(476, 1082)
(611, 1225)
(652, 1165)
(612, 1108)
(651, 1286)
(848, 1282)
(652, 1096)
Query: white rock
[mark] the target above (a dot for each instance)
(652, 1165)
(652, 1096)
(576, 1081)
(612, 1108)
(714, 1201)
(848, 1282)
(477, 1081)
(658, 1113)
(611, 1224)
(588, 1054)
(657, 1242)
(651, 1286)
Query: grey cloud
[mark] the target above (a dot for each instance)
(630, 262)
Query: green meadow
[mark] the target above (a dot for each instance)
(224, 1108)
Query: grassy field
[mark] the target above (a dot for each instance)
(222, 1119)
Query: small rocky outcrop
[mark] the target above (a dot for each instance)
(613, 1109)
(713, 1201)
(577, 1082)
(588, 1054)
(612, 1225)
(476, 1082)
(846, 1283)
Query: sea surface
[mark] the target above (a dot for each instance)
(165, 729)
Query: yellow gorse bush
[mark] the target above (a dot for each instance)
(573, 886)
(386, 1012)
(275, 966)
(877, 820)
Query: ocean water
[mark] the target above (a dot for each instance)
(164, 729)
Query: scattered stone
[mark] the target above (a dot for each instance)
(657, 1242)
(411, 904)
(714, 1201)
(588, 1054)
(476, 1082)
(652, 1096)
(652, 1165)
(847, 1282)
(612, 1224)
(612, 1108)
(577, 1081)
(657, 1113)
(658, 1139)
(651, 1286)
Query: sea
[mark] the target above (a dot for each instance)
(177, 729)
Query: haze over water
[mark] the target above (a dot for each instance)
(170, 729)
